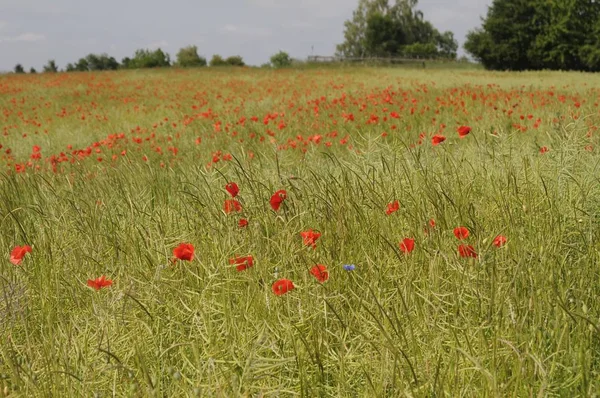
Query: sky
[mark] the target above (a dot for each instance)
(34, 31)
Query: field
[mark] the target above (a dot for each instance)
(456, 216)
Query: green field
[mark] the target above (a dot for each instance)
(128, 165)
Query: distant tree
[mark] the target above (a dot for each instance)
(51, 67)
(19, 68)
(82, 65)
(235, 60)
(217, 60)
(378, 28)
(125, 62)
(32, 70)
(188, 57)
(281, 60)
(70, 67)
(144, 58)
(98, 62)
(542, 35)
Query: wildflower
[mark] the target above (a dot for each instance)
(233, 189)
(282, 286)
(461, 233)
(407, 245)
(437, 139)
(243, 223)
(242, 263)
(17, 254)
(463, 131)
(467, 251)
(349, 267)
(232, 205)
(99, 283)
(277, 199)
(310, 238)
(544, 149)
(320, 272)
(392, 207)
(500, 241)
(185, 252)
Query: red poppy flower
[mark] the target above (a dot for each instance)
(243, 223)
(184, 251)
(392, 207)
(232, 205)
(432, 223)
(467, 251)
(277, 199)
(437, 139)
(320, 272)
(282, 286)
(310, 237)
(544, 149)
(461, 233)
(500, 241)
(17, 254)
(233, 189)
(243, 263)
(407, 245)
(463, 131)
(99, 283)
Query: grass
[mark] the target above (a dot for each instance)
(521, 320)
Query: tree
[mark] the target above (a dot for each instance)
(51, 67)
(144, 58)
(217, 60)
(235, 60)
(188, 57)
(19, 68)
(542, 35)
(32, 70)
(380, 29)
(70, 67)
(281, 60)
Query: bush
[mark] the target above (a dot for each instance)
(149, 59)
(51, 67)
(19, 68)
(235, 60)
(188, 57)
(32, 70)
(421, 50)
(281, 60)
(217, 60)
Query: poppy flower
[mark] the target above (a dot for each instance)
(467, 251)
(233, 189)
(17, 254)
(277, 199)
(392, 207)
(544, 149)
(243, 223)
(184, 252)
(282, 286)
(320, 272)
(99, 283)
(437, 139)
(242, 263)
(500, 241)
(310, 238)
(432, 223)
(461, 233)
(463, 131)
(232, 205)
(407, 245)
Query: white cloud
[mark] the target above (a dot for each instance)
(24, 37)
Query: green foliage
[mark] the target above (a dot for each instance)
(19, 68)
(144, 58)
(188, 57)
(281, 60)
(51, 67)
(32, 70)
(235, 60)
(382, 30)
(541, 35)
(217, 60)
(420, 50)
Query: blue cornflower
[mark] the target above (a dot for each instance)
(349, 267)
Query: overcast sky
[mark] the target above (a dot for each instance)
(33, 31)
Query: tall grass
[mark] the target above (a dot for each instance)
(521, 320)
